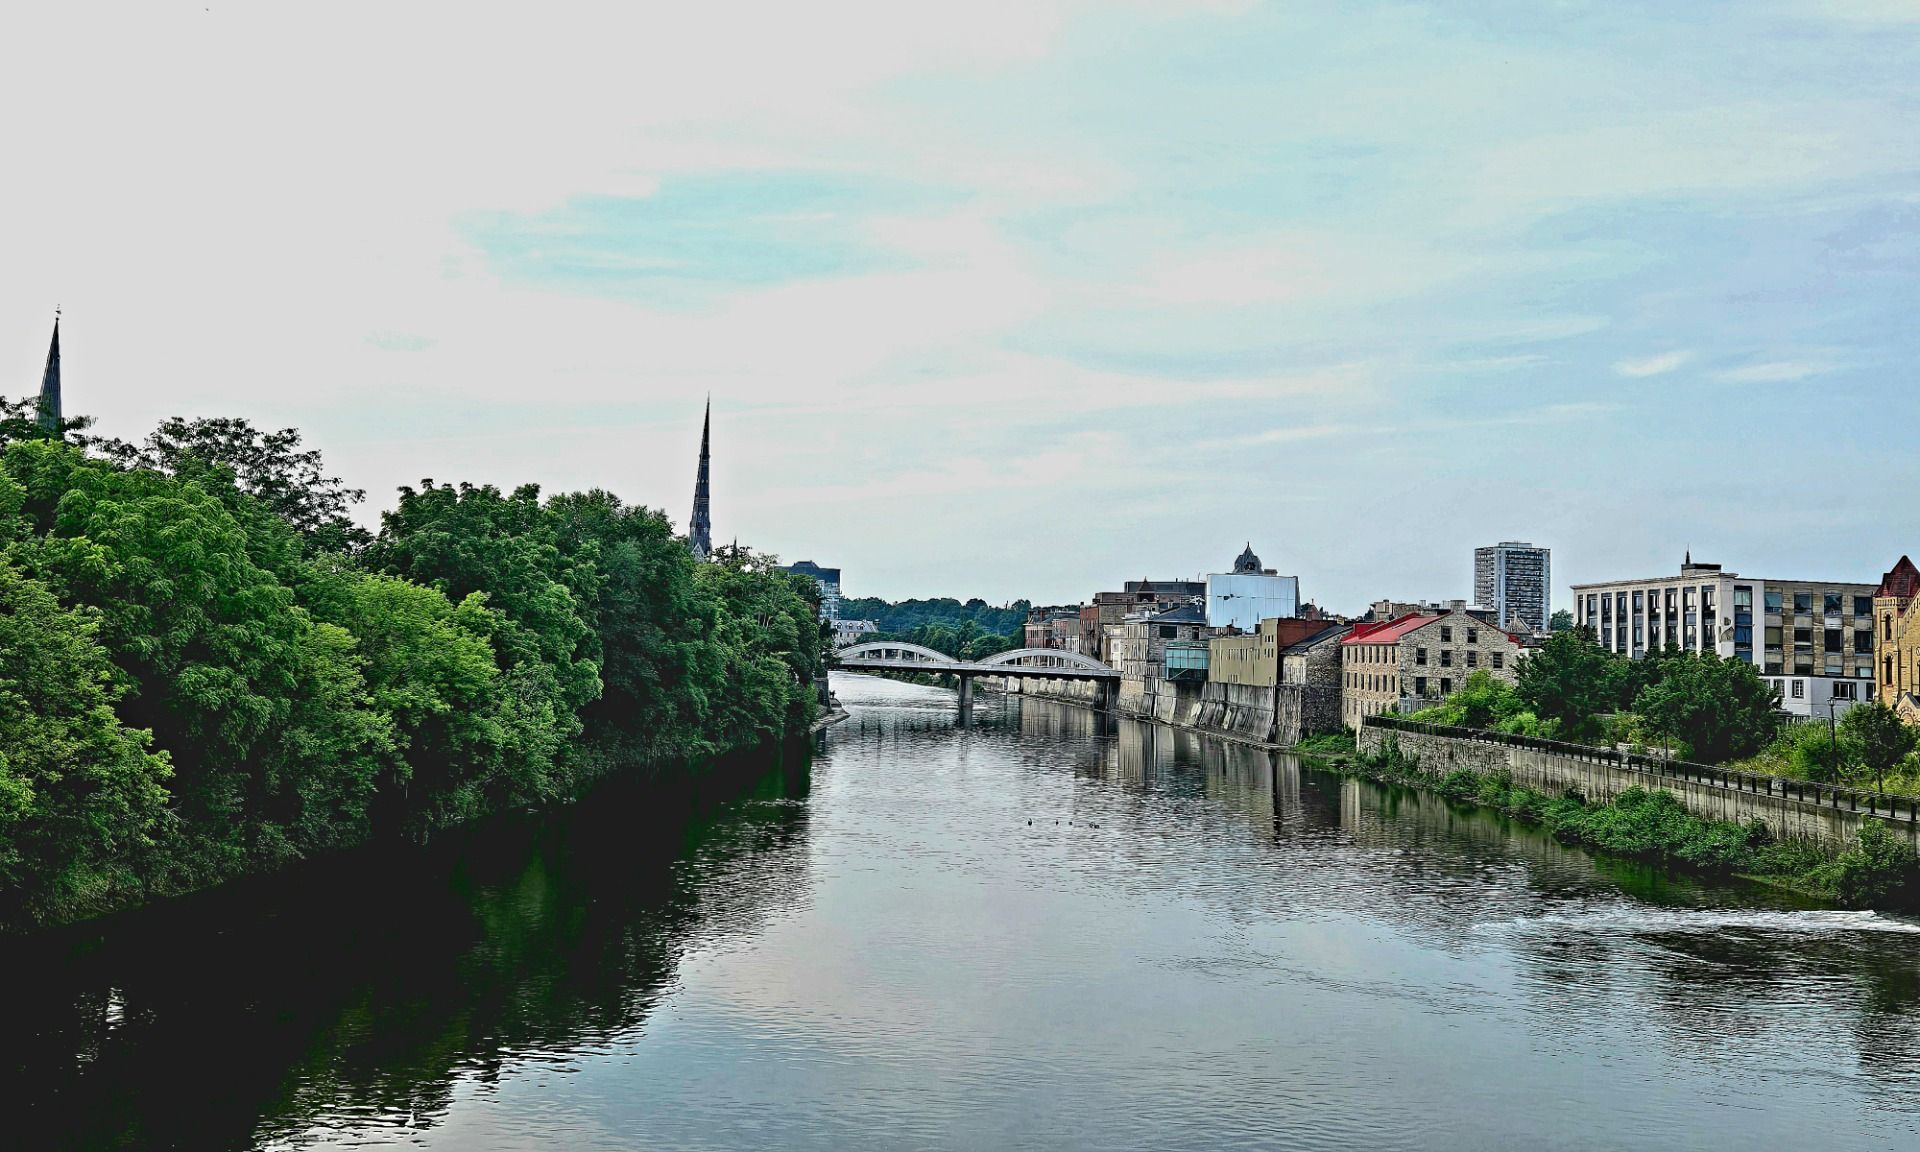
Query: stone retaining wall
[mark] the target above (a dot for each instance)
(1596, 778)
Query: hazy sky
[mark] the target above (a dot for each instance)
(1018, 299)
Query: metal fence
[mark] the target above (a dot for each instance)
(1833, 796)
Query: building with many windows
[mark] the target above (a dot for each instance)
(829, 581)
(1813, 639)
(1137, 646)
(1419, 659)
(1516, 581)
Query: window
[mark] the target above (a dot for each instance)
(1168, 631)
(1420, 656)
(1803, 663)
(1863, 640)
(1803, 601)
(1833, 641)
(1803, 637)
(1833, 666)
(1888, 633)
(1499, 659)
(1473, 635)
(1844, 690)
(1774, 668)
(1773, 599)
(1863, 605)
(1773, 635)
(1637, 603)
(1446, 633)
(1446, 686)
(1473, 658)
(1799, 689)
(1742, 596)
(1831, 602)
(1446, 657)
(1419, 685)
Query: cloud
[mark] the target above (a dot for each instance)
(1658, 365)
(1776, 372)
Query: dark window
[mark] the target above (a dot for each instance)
(1773, 600)
(1863, 605)
(1473, 658)
(1446, 632)
(1863, 640)
(1803, 601)
(1419, 685)
(1888, 635)
(1473, 635)
(1499, 659)
(1446, 657)
(1446, 686)
(1168, 631)
(1802, 636)
(1831, 602)
(1833, 641)
(1420, 656)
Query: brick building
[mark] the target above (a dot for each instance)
(1896, 610)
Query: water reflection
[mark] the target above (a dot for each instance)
(355, 996)
(1048, 929)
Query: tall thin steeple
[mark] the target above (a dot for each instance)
(50, 384)
(700, 527)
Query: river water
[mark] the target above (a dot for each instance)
(1048, 930)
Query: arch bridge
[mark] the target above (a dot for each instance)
(1019, 663)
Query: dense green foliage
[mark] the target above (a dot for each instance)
(901, 619)
(1878, 870)
(1570, 688)
(1485, 702)
(207, 669)
(966, 642)
(1716, 709)
(1869, 747)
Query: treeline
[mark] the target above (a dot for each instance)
(206, 668)
(967, 642)
(904, 617)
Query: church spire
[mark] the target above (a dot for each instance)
(700, 527)
(50, 415)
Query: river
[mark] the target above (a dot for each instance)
(1048, 930)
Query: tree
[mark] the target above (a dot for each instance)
(268, 466)
(274, 744)
(1561, 621)
(1877, 738)
(1718, 709)
(82, 797)
(1570, 682)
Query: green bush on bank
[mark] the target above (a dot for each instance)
(1879, 869)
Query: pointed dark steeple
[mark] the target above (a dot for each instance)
(700, 527)
(50, 384)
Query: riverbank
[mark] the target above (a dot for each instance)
(1651, 825)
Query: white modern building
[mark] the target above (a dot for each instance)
(1249, 594)
(1812, 639)
(1516, 581)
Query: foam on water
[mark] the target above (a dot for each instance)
(1627, 918)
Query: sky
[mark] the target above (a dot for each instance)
(1018, 300)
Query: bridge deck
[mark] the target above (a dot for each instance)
(960, 668)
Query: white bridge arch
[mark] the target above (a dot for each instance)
(1044, 663)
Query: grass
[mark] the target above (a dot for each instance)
(1327, 744)
(1879, 870)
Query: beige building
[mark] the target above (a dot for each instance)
(1246, 658)
(1812, 639)
(1422, 657)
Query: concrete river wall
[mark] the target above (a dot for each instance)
(1791, 809)
(1240, 711)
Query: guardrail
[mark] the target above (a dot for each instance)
(1882, 804)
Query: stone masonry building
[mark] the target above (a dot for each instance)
(1422, 657)
(1896, 608)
